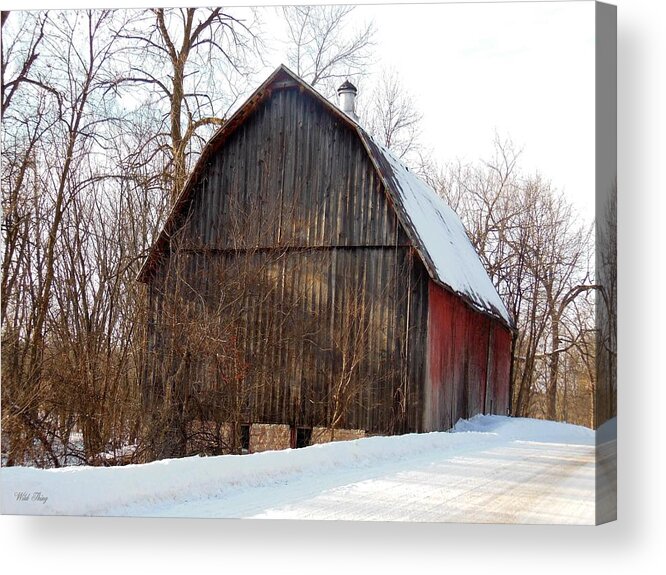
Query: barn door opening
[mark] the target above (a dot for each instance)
(301, 437)
(245, 438)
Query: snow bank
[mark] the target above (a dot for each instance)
(96, 490)
(525, 429)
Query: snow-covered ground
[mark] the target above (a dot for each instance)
(489, 469)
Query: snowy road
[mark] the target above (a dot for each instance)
(492, 469)
(516, 483)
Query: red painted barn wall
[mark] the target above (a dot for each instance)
(468, 362)
(477, 361)
(501, 371)
(438, 398)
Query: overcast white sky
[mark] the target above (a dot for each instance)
(523, 70)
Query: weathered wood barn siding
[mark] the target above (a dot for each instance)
(287, 226)
(292, 175)
(468, 362)
(293, 191)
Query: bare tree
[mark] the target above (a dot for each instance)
(19, 56)
(606, 306)
(390, 116)
(220, 319)
(321, 50)
(63, 92)
(181, 54)
(76, 221)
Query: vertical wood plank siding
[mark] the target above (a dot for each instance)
(291, 175)
(501, 351)
(292, 205)
(468, 362)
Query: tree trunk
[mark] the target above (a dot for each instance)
(551, 391)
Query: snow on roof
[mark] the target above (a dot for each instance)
(439, 233)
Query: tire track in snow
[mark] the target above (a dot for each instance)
(514, 483)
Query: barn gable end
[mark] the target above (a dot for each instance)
(293, 176)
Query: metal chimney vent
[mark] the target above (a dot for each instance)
(347, 98)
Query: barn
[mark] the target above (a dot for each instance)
(308, 287)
